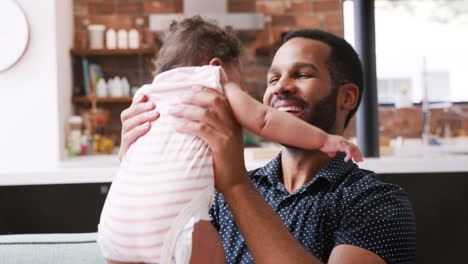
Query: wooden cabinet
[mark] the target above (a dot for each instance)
(134, 64)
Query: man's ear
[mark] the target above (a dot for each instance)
(216, 62)
(348, 96)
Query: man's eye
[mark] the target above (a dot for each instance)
(273, 80)
(304, 75)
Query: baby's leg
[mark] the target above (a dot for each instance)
(206, 245)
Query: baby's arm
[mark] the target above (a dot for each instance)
(282, 127)
(271, 123)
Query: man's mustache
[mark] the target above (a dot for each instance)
(289, 98)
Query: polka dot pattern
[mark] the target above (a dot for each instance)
(343, 204)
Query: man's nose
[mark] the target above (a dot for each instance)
(285, 85)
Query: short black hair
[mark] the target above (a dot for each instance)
(343, 63)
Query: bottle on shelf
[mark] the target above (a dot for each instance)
(96, 36)
(115, 87)
(125, 86)
(133, 39)
(101, 88)
(74, 137)
(122, 39)
(111, 39)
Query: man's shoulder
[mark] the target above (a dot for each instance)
(363, 189)
(362, 182)
(357, 177)
(370, 204)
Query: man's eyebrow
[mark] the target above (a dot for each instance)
(305, 65)
(297, 65)
(272, 69)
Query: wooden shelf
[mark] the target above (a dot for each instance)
(87, 99)
(109, 52)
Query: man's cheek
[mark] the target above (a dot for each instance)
(266, 98)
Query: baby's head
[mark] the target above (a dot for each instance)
(196, 42)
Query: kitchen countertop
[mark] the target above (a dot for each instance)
(409, 157)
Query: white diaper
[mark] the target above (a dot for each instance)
(183, 244)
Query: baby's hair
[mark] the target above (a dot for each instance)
(194, 42)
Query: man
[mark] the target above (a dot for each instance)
(302, 207)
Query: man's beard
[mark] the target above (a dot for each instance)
(321, 115)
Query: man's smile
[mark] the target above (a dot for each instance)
(295, 110)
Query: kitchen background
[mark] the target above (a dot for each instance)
(260, 42)
(280, 17)
(47, 86)
(421, 53)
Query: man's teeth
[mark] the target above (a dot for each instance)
(290, 108)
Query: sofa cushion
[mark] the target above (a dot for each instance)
(50, 249)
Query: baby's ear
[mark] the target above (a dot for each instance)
(216, 62)
(222, 73)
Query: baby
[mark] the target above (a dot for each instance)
(165, 183)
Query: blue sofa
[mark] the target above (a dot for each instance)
(50, 249)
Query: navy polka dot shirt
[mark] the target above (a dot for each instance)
(341, 205)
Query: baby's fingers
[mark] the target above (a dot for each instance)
(352, 152)
(357, 155)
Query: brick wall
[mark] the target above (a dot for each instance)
(281, 16)
(409, 122)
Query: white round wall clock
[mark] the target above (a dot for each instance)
(14, 34)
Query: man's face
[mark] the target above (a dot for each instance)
(299, 83)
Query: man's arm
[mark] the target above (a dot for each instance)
(256, 219)
(349, 254)
(268, 239)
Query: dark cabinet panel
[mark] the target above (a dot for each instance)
(440, 203)
(60, 208)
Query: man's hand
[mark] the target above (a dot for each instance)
(136, 122)
(209, 116)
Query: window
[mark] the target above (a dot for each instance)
(421, 44)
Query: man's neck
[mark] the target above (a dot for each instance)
(301, 166)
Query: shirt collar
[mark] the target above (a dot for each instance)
(337, 169)
(271, 172)
(333, 172)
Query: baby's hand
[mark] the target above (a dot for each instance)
(335, 144)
